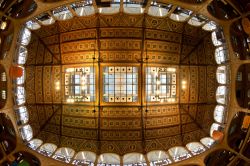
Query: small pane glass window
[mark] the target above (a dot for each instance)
(219, 113)
(22, 55)
(158, 158)
(22, 115)
(180, 14)
(84, 8)
(32, 25)
(25, 36)
(26, 132)
(47, 149)
(108, 159)
(160, 84)
(20, 95)
(80, 84)
(179, 153)
(220, 55)
(221, 94)
(64, 154)
(62, 13)
(195, 148)
(120, 84)
(207, 141)
(134, 159)
(45, 19)
(84, 158)
(221, 75)
(34, 143)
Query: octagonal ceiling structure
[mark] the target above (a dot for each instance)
(121, 82)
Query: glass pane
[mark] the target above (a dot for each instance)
(197, 20)
(62, 13)
(195, 148)
(180, 14)
(35, 143)
(45, 19)
(158, 158)
(133, 159)
(221, 74)
(22, 115)
(64, 154)
(47, 149)
(120, 84)
(25, 36)
(26, 132)
(84, 158)
(84, 8)
(207, 141)
(219, 113)
(179, 153)
(109, 159)
(32, 25)
(210, 26)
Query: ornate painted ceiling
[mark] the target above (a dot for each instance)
(120, 39)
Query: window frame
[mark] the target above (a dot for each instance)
(138, 89)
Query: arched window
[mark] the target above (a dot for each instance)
(22, 115)
(133, 159)
(64, 154)
(133, 7)
(22, 55)
(221, 94)
(210, 26)
(32, 25)
(159, 10)
(20, 80)
(84, 157)
(47, 149)
(108, 159)
(219, 113)
(84, 8)
(207, 141)
(158, 158)
(35, 143)
(220, 55)
(180, 14)
(25, 36)
(215, 127)
(217, 37)
(221, 75)
(195, 148)
(197, 20)
(26, 132)
(179, 153)
(45, 19)
(20, 95)
(62, 13)
(114, 8)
